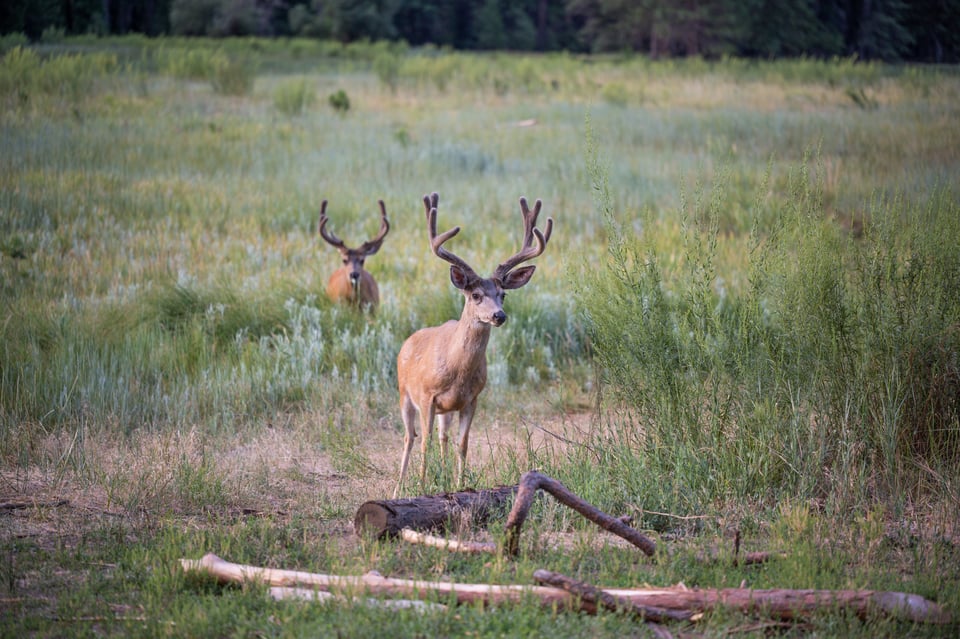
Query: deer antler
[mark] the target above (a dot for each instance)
(373, 245)
(324, 233)
(530, 233)
(436, 241)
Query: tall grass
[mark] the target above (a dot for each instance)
(830, 373)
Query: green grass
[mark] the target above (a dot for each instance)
(746, 319)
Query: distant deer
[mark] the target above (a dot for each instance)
(350, 284)
(442, 369)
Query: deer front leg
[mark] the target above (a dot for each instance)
(443, 431)
(408, 412)
(466, 418)
(427, 413)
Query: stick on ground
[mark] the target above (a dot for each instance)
(533, 481)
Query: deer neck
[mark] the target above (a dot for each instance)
(470, 339)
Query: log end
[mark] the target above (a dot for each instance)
(372, 520)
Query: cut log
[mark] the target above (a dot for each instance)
(387, 517)
(774, 603)
(534, 480)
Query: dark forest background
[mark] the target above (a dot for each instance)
(889, 30)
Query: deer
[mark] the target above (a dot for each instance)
(441, 370)
(351, 284)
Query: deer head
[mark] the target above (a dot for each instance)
(485, 295)
(351, 284)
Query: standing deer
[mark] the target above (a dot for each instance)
(350, 284)
(442, 369)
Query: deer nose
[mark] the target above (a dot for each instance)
(499, 318)
(354, 276)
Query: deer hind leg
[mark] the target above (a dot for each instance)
(408, 412)
(466, 418)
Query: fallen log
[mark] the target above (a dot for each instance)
(791, 605)
(604, 599)
(374, 583)
(533, 481)
(388, 517)
(775, 603)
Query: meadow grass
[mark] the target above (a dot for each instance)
(746, 320)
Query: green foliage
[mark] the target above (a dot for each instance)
(232, 75)
(838, 356)
(615, 94)
(187, 63)
(387, 67)
(339, 101)
(68, 80)
(293, 97)
(9, 41)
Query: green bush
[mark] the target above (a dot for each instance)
(63, 79)
(11, 41)
(187, 63)
(387, 67)
(832, 373)
(232, 75)
(294, 96)
(340, 101)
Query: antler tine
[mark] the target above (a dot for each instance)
(436, 241)
(322, 227)
(530, 233)
(372, 246)
(530, 221)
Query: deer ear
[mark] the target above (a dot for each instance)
(518, 277)
(460, 278)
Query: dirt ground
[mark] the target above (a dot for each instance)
(282, 471)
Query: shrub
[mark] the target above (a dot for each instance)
(25, 77)
(292, 97)
(387, 67)
(339, 101)
(12, 41)
(187, 63)
(832, 373)
(232, 76)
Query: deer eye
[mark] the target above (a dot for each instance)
(476, 296)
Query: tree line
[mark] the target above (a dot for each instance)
(889, 30)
